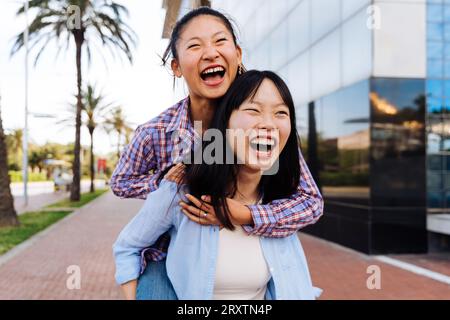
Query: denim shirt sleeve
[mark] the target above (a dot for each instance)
(152, 220)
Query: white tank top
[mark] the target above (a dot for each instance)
(241, 271)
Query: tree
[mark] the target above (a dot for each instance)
(16, 136)
(8, 215)
(94, 107)
(61, 20)
(117, 123)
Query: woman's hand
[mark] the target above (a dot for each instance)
(202, 212)
(176, 173)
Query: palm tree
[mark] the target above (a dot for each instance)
(16, 136)
(117, 123)
(93, 109)
(8, 215)
(93, 115)
(93, 18)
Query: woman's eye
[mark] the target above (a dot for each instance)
(192, 46)
(251, 109)
(282, 113)
(222, 39)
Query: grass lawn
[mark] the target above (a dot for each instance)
(30, 224)
(84, 198)
(33, 222)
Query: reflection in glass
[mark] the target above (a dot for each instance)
(398, 142)
(435, 68)
(435, 88)
(435, 31)
(434, 49)
(434, 13)
(343, 142)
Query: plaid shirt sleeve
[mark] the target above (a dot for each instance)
(281, 218)
(132, 177)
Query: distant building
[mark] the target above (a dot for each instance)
(376, 76)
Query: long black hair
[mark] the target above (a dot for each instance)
(218, 178)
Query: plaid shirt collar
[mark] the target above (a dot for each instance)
(181, 120)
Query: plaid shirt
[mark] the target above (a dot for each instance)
(164, 140)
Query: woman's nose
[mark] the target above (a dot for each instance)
(267, 122)
(210, 53)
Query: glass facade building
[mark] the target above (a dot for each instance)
(371, 84)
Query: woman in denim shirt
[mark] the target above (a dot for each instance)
(255, 128)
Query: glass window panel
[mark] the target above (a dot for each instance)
(447, 182)
(435, 68)
(356, 49)
(435, 199)
(434, 105)
(435, 162)
(298, 29)
(433, 142)
(446, 104)
(447, 13)
(435, 88)
(447, 88)
(349, 7)
(435, 31)
(445, 145)
(434, 49)
(447, 51)
(434, 180)
(278, 47)
(434, 12)
(447, 68)
(446, 31)
(325, 68)
(325, 16)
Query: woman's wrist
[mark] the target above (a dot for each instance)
(242, 215)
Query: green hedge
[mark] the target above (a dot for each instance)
(16, 176)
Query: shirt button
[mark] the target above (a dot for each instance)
(271, 269)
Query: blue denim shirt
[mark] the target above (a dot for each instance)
(192, 253)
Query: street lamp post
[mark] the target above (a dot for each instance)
(25, 131)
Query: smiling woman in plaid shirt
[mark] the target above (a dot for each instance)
(205, 53)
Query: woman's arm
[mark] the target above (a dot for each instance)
(154, 218)
(279, 218)
(129, 289)
(132, 177)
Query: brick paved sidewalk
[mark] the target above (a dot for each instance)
(342, 274)
(85, 239)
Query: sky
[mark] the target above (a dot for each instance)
(144, 89)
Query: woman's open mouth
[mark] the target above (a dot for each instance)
(213, 76)
(263, 147)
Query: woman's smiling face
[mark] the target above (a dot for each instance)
(259, 129)
(207, 57)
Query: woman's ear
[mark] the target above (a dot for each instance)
(239, 53)
(175, 68)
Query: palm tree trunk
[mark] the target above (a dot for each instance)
(92, 161)
(8, 215)
(75, 190)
